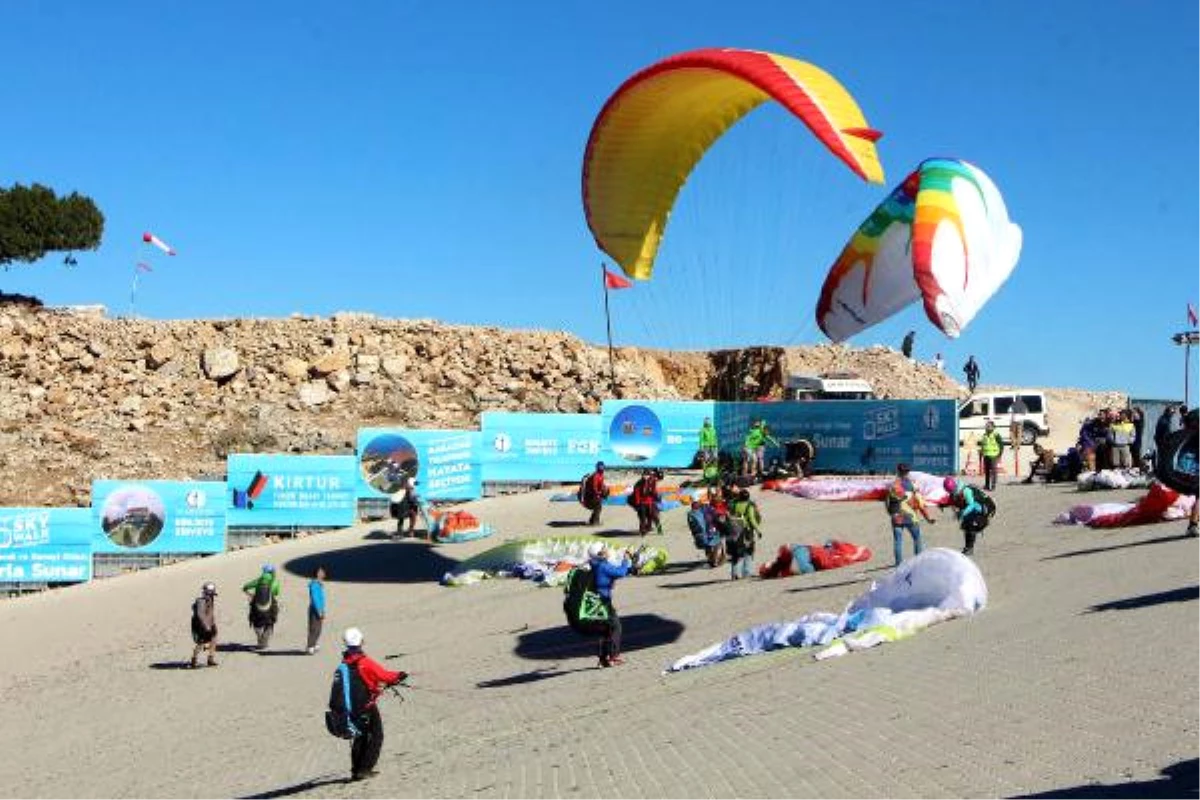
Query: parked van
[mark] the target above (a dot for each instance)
(827, 386)
(1022, 405)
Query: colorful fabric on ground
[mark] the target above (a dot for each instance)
(842, 489)
(935, 586)
(544, 561)
(798, 559)
(1157, 505)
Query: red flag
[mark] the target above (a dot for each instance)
(614, 281)
(1192, 315)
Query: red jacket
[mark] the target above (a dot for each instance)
(374, 676)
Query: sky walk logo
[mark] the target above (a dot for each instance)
(25, 530)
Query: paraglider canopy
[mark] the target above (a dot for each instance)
(659, 124)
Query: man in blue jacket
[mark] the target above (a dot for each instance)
(316, 609)
(607, 573)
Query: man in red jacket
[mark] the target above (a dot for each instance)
(364, 749)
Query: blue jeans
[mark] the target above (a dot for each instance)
(743, 567)
(898, 539)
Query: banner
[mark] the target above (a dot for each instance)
(266, 489)
(158, 516)
(539, 447)
(652, 433)
(45, 545)
(445, 464)
(852, 436)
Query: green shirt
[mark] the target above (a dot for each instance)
(708, 437)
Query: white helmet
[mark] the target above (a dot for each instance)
(596, 549)
(209, 588)
(353, 637)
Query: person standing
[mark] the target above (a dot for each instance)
(709, 443)
(906, 346)
(754, 448)
(969, 507)
(1121, 434)
(938, 362)
(644, 498)
(365, 748)
(971, 368)
(592, 493)
(990, 448)
(263, 592)
(904, 504)
(405, 505)
(316, 609)
(606, 574)
(204, 625)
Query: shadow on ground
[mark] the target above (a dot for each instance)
(1092, 550)
(404, 561)
(297, 788)
(638, 632)
(1181, 595)
(819, 586)
(528, 677)
(1181, 779)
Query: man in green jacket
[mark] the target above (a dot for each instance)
(263, 592)
(754, 448)
(708, 441)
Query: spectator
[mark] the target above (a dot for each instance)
(1121, 434)
(938, 363)
(971, 368)
(906, 346)
(316, 609)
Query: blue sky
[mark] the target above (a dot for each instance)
(423, 161)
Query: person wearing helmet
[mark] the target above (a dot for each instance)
(607, 573)
(204, 625)
(592, 493)
(263, 592)
(970, 506)
(645, 499)
(365, 748)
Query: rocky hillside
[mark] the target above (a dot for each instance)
(86, 396)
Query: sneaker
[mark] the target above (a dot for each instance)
(312, 651)
(1191, 530)
(968, 551)
(604, 662)
(364, 775)
(193, 664)
(616, 661)
(212, 662)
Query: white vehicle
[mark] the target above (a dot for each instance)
(1023, 406)
(829, 386)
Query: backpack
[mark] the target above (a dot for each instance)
(585, 609)
(348, 699)
(262, 596)
(587, 491)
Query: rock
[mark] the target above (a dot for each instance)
(329, 363)
(395, 366)
(294, 369)
(220, 363)
(313, 393)
(160, 353)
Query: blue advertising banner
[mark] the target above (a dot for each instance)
(539, 447)
(852, 436)
(653, 433)
(266, 489)
(45, 545)
(445, 464)
(158, 516)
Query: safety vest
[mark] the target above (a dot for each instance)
(989, 444)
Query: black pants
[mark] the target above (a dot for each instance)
(610, 644)
(594, 519)
(314, 628)
(364, 750)
(989, 472)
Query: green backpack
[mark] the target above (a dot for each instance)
(585, 609)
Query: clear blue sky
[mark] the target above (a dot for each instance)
(423, 160)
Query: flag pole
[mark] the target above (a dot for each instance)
(612, 370)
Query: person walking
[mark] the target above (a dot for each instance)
(971, 368)
(904, 504)
(644, 498)
(316, 609)
(969, 505)
(990, 448)
(593, 492)
(204, 625)
(606, 574)
(263, 592)
(405, 506)
(365, 748)
(906, 346)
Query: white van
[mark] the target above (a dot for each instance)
(827, 386)
(1025, 406)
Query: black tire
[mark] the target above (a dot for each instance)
(1029, 434)
(1176, 463)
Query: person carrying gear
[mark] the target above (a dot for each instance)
(592, 493)
(263, 592)
(708, 440)
(973, 508)
(366, 746)
(904, 505)
(204, 625)
(644, 499)
(607, 573)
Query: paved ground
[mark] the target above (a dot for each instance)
(1081, 677)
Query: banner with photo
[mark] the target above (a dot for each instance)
(652, 433)
(444, 463)
(158, 516)
(271, 489)
(45, 545)
(539, 447)
(851, 436)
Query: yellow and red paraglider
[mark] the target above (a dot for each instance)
(658, 125)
